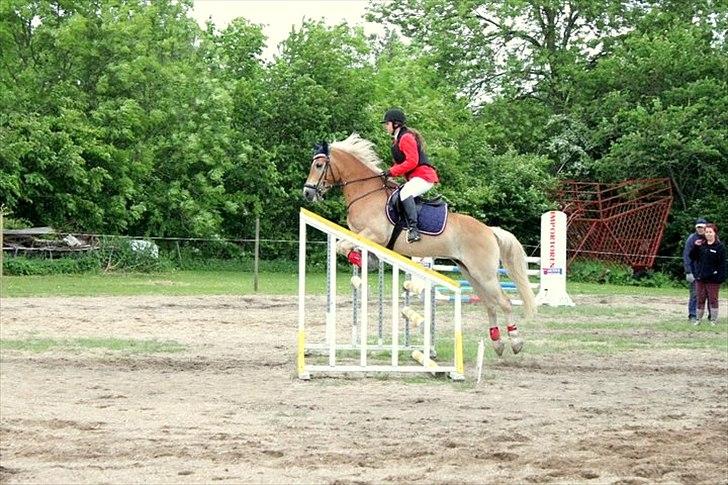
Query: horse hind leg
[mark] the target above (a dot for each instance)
(490, 302)
(507, 307)
(513, 336)
(504, 303)
(492, 296)
(494, 330)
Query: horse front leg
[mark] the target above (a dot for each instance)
(344, 247)
(352, 253)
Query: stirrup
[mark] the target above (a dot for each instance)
(413, 235)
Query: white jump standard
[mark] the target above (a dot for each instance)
(336, 233)
(552, 290)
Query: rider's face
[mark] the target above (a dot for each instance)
(390, 127)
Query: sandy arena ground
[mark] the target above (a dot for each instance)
(228, 408)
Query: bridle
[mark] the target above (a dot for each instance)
(322, 187)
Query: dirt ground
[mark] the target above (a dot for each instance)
(228, 408)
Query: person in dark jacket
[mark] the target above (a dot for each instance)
(688, 267)
(410, 161)
(710, 271)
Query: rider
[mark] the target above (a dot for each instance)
(410, 161)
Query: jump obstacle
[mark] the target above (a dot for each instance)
(360, 337)
(411, 318)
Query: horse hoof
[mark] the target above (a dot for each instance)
(372, 263)
(516, 345)
(498, 346)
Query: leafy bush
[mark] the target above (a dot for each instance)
(26, 266)
(116, 254)
(593, 271)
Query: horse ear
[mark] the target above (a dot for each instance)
(321, 148)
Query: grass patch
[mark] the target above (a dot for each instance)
(585, 338)
(576, 288)
(671, 325)
(198, 282)
(230, 282)
(586, 310)
(80, 344)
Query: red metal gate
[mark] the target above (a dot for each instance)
(622, 222)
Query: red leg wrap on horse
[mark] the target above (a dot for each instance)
(494, 333)
(354, 258)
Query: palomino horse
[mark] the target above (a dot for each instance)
(352, 164)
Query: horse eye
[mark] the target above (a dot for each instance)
(319, 165)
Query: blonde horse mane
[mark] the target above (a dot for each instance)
(361, 149)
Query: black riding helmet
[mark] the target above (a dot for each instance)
(395, 116)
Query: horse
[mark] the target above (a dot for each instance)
(353, 165)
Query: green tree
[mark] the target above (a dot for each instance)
(511, 47)
(317, 88)
(114, 121)
(497, 186)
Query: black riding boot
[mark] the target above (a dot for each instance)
(410, 214)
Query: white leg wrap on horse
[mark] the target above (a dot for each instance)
(516, 341)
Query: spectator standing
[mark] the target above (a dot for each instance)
(709, 258)
(688, 267)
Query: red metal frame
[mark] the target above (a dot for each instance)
(621, 222)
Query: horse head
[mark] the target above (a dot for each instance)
(320, 176)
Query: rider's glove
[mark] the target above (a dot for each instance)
(689, 278)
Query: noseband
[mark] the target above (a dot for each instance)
(320, 188)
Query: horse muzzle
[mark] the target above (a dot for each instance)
(311, 193)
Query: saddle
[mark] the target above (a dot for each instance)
(431, 214)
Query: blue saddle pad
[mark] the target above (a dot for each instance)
(431, 219)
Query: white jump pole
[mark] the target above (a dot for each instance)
(395, 315)
(364, 297)
(331, 292)
(301, 358)
(428, 321)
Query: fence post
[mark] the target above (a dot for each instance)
(2, 245)
(257, 251)
(2, 252)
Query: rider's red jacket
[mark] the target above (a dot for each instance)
(411, 167)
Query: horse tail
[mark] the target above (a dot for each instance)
(514, 260)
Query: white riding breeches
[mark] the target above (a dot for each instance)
(414, 187)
